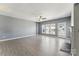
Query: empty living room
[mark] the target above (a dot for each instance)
(36, 29)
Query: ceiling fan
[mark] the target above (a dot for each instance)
(41, 18)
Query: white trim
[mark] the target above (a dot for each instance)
(73, 52)
(15, 38)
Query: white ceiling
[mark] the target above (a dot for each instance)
(32, 11)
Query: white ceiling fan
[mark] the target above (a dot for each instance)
(41, 18)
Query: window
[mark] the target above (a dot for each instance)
(49, 29)
(52, 29)
(62, 29)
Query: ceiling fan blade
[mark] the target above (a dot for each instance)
(43, 18)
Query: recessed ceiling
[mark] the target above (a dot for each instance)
(32, 11)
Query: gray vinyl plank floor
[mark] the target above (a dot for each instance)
(38, 45)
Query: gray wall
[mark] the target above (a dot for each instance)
(14, 27)
(76, 29)
(67, 19)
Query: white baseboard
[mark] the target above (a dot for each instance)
(16, 38)
(73, 51)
